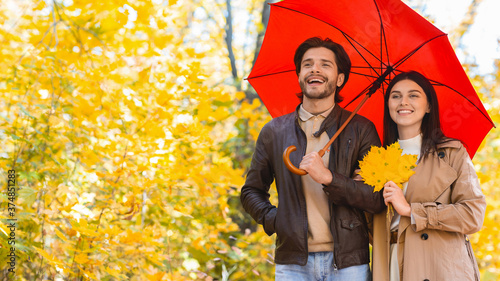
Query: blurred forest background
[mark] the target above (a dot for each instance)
(131, 127)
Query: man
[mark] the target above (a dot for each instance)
(320, 224)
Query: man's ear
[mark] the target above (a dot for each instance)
(340, 79)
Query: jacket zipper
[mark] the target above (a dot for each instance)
(330, 204)
(334, 265)
(305, 211)
(347, 150)
(303, 151)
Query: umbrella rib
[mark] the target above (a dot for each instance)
(366, 75)
(349, 40)
(343, 33)
(364, 91)
(269, 74)
(360, 66)
(382, 37)
(436, 83)
(396, 65)
(359, 95)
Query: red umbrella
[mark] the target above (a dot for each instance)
(382, 38)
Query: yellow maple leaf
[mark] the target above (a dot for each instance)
(381, 165)
(81, 258)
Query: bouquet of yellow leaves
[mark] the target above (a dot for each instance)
(381, 165)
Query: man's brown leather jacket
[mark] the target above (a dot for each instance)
(348, 198)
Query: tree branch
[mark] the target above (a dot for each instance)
(229, 39)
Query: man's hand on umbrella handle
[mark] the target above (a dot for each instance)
(302, 172)
(313, 164)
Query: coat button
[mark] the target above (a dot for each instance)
(441, 154)
(327, 193)
(351, 225)
(424, 236)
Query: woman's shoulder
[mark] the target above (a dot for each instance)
(452, 151)
(449, 143)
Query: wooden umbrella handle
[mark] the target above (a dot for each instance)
(292, 148)
(288, 163)
(376, 84)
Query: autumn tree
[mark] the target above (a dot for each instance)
(120, 126)
(486, 243)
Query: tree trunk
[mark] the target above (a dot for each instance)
(229, 40)
(467, 22)
(266, 10)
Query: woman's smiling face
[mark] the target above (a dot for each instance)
(407, 106)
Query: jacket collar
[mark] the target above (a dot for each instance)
(305, 115)
(449, 143)
(330, 121)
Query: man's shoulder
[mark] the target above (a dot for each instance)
(281, 122)
(357, 119)
(363, 126)
(362, 120)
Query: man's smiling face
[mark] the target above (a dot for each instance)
(318, 76)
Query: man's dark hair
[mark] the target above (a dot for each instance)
(341, 58)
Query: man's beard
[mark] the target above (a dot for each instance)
(329, 90)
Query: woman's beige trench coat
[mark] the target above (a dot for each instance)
(446, 205)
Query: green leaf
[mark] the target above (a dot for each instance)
(28, 195)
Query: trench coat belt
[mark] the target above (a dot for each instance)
(394, 237)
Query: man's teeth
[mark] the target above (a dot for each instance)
(315, 80)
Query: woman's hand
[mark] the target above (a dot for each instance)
(394, 195)
(356, 176)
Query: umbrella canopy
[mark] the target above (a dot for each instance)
(377, 35)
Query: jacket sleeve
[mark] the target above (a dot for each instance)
(466, 212)
(255, 192)
(348, 192)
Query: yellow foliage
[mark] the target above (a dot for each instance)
(381, 165)
(81, 258)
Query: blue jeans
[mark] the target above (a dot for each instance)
(320, 267)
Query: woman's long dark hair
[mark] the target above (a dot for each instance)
(432, 135)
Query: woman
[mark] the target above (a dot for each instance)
(439, 206)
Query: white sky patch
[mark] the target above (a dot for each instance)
(132, 15)
(182, 119)
(86, 198)
(482, 39)
(154, 160)
(79, 210)
(43, 93)
(480, 42)
(137, 102)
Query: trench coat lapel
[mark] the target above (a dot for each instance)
(434, 186)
